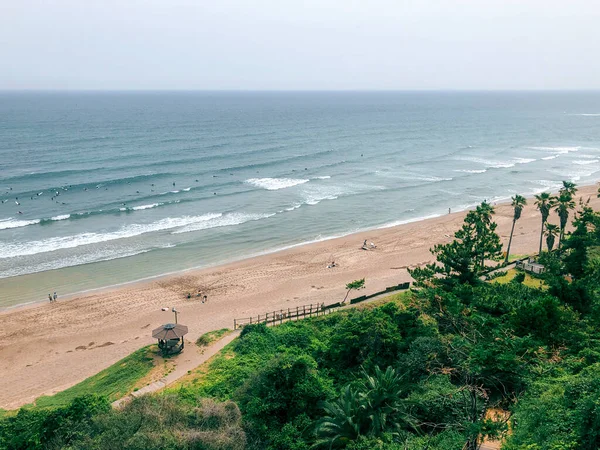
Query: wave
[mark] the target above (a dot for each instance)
(6, 224)
(274, 184)
(14, 249)
(141, 207)
(546, 158)
(293, 207)
(586, 162)
(222, 221)
(524, 160)
(558, 150)
(76, 260)
(490, 164)
(324, 177)
(186, 189)
(471, 170)
(60, 217)
(586, 115)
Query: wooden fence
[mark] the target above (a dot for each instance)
(284, 315)
(300, 312)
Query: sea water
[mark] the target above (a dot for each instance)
(104, 188)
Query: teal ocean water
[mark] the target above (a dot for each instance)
(104, 188)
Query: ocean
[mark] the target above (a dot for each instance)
(102, 188)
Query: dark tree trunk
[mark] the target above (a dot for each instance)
(512, 230)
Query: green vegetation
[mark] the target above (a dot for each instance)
(208, 338)
(420, 370)
(113, 382)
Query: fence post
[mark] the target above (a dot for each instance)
(280, 316)
(288, 314)
(234, 325)
(250, 320)
(297, 313)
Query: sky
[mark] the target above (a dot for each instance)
(299, 45)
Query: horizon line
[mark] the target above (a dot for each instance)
(367, 90)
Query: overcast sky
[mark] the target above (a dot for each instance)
(307, 44)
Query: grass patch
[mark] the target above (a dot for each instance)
(512, 258)
(400, 298)
(207, 338)
(113, 382)
(529, 280)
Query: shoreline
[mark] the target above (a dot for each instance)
(67, 297)
(45, 348)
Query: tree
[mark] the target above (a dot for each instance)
(356, 284)
(377, 408)
(544, 203)
(518, 202)
(342, 421)
(564, 203)
(569, 188)
(383, 396)
(551, 232)
(462, 261)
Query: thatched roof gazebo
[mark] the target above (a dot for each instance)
(170, 337)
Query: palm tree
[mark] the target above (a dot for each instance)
(569, 187)
(376, 408)
(564, 203)
(342, 421)
(544, 203)
(383, 401)
(518, 202)
(551, 232)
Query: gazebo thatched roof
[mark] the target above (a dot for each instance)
(169, 331)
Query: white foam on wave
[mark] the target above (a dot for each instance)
(558, 150)
(471, 170)
(6, 224)
(274, 184)
(524, 160)
(586, 114)
(585, 162)
(434, 179)
(61, 217)
(142, 207)
(222, 221)
(546, 158)
(491, 164)
(324, 177)
(14, 249)
(293, 207)
(186, 189)
(75, 260)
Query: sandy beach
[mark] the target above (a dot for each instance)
(46, 348)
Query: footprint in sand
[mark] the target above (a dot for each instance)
(81, 347)
(106, 344)
(145, 326)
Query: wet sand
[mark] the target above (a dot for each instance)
(46, 348)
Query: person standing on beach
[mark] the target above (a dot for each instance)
(205, 299)
(55, 296)
(50, 297)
